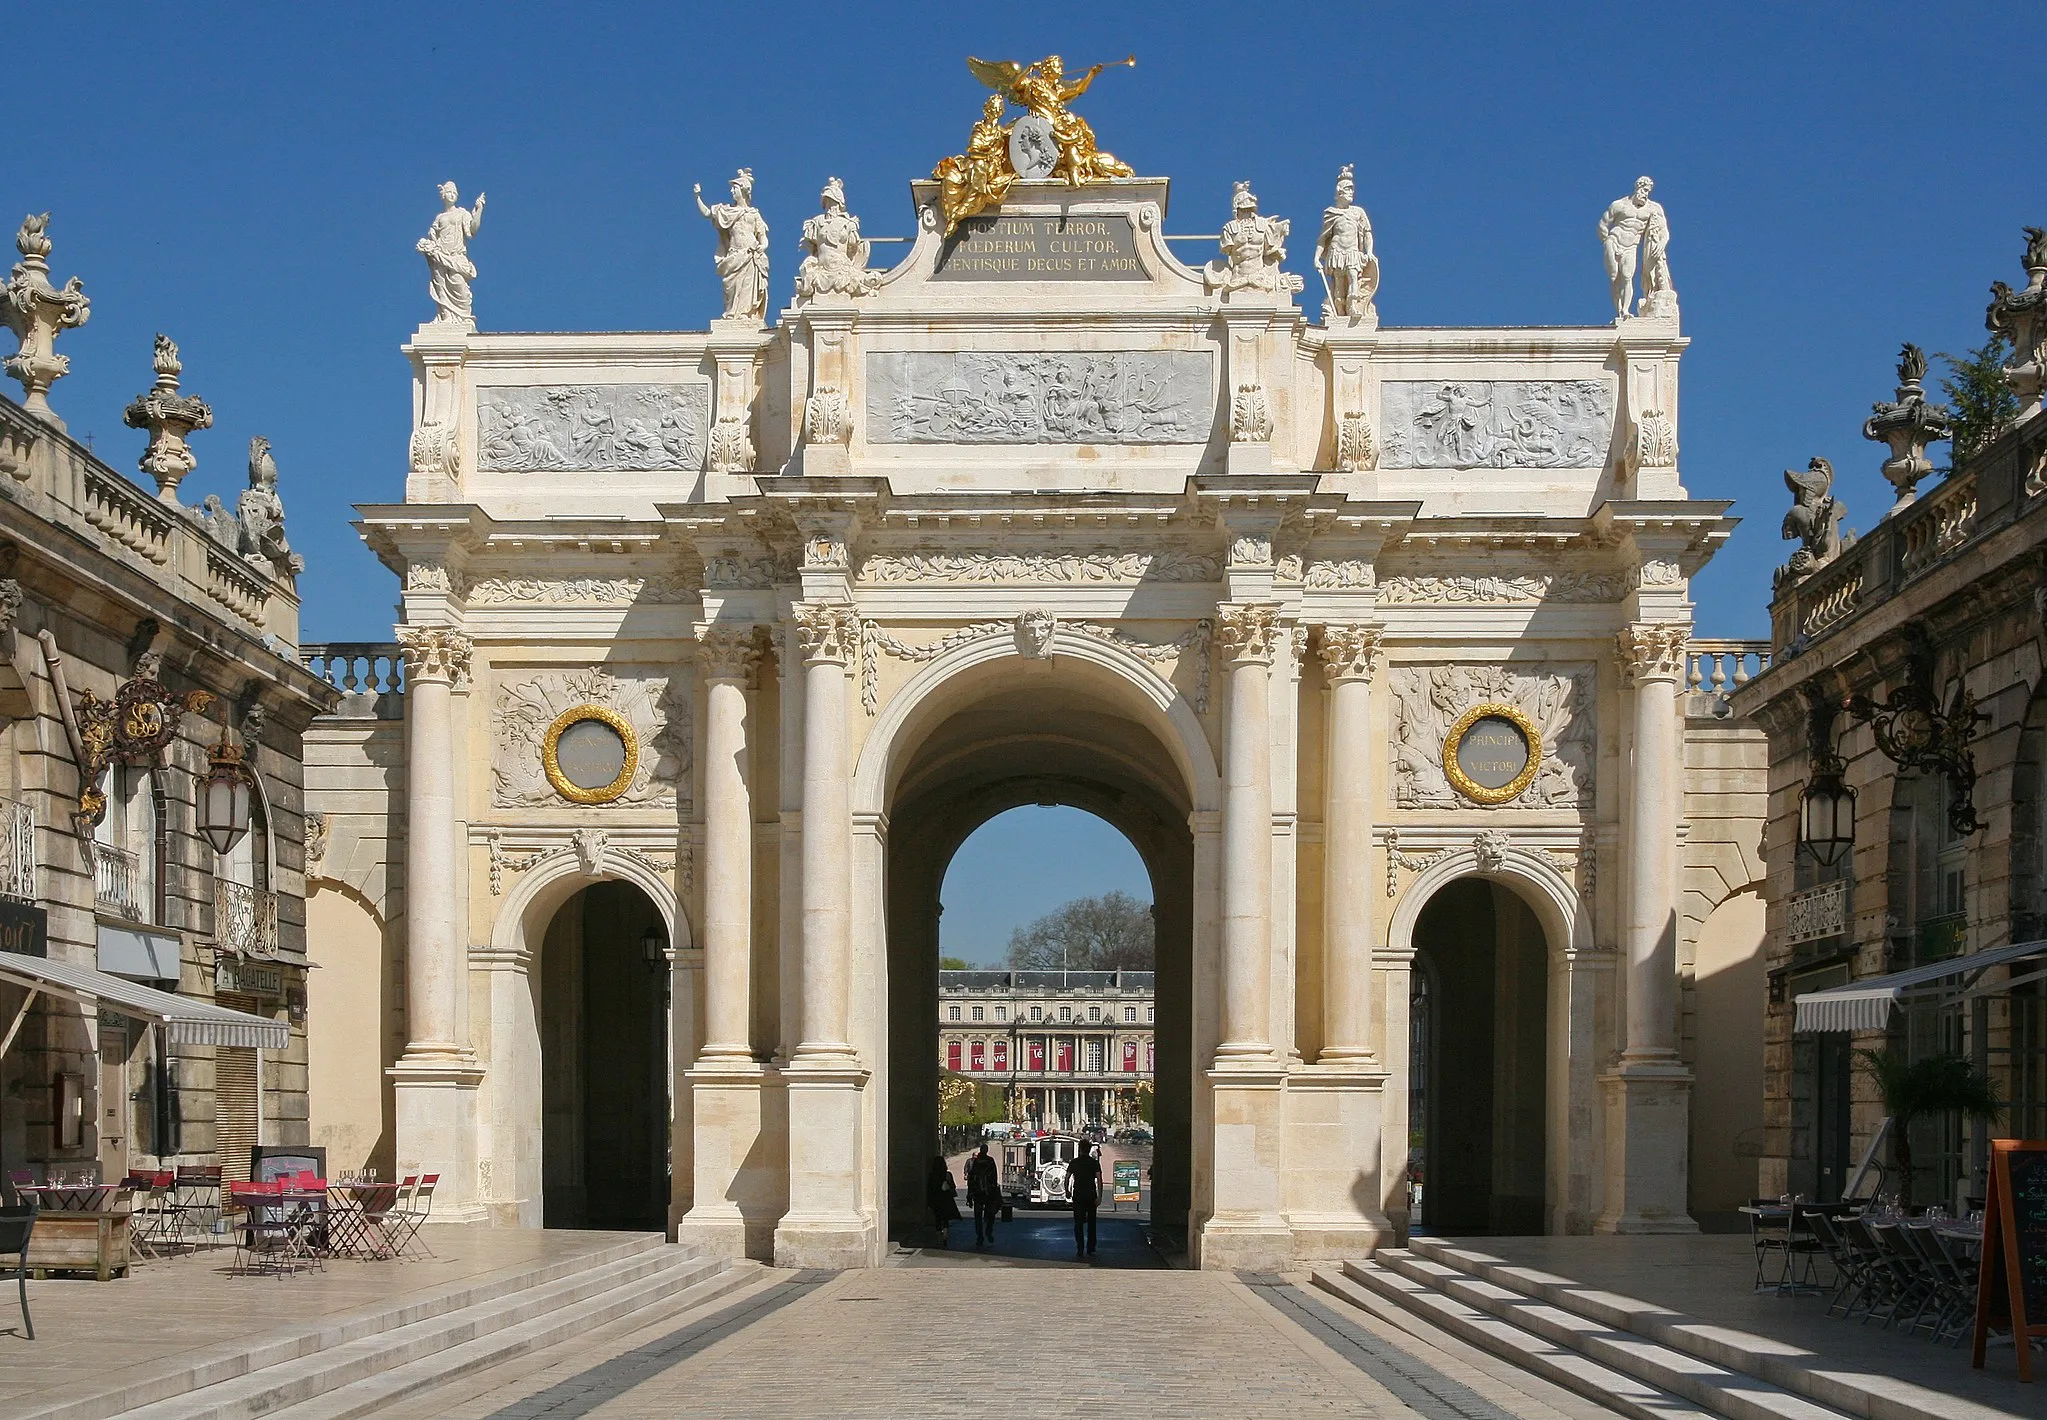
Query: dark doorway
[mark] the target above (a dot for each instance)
(603, 1008)
(1479, 1097)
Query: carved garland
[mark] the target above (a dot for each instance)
(591, 845)
(874, 640)
(1489, 849)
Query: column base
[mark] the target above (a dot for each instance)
(435, 1116)
(739, 1159)
(1648, 1147)
(825, 1225)
(1247, 1231)
(1334, 1184)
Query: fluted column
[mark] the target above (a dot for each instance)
(1652, 655)
(828, 634)
(728, 657)
(436, 658)
(1246, 634)
(1350, 654)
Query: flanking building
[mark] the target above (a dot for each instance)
(1907, 718)
(152, 921)
(1069, 1049)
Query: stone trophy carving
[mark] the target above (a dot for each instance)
(657, 710)
(38, 313)
(742, 260)
(260, 512)
(1813, 520)
(836, 260)
(1908, 425)
(446, 249)
(1253, 248)
(1344, 256)
(991, 397)
(1632, 228)
(2021, 318)
(1427, 701)
(1496, 423)
(169, 417)
(591, 428)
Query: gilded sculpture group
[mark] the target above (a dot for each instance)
(1049, 141)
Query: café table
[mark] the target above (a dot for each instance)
(355, 1219)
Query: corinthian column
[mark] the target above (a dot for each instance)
(1652, 655)
(1246, 633)
(435, 660)
(828, 633)
(728, 656)
(1350, 654)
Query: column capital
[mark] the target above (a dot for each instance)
(1653, 650)
(728, 650)
(436, 653)
(826, 632)
(1349, 650)
(1247, 631)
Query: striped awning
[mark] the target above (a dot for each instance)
(1866, 1004)
(185, 1021)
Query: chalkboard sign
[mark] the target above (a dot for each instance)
(2012, 1290)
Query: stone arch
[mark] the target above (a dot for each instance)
(544, 887)
(1530, 872)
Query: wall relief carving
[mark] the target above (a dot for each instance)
(1509, 591)
(1428, 700)
(579, 591)
(1496, 423)
(657, 710)
(1035, 633)
(591, 428)
(971, 397)
(1094, 565)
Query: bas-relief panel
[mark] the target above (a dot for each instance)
(592, 428)
(971, 397)
(527, 703)
(1428, 699)
(1496, 423)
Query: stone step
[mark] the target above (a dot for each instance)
(380, 1393)
(215, 1365)
(554, 1308)
(1719, 1389)
(1557, 1364)
(1791, 1368)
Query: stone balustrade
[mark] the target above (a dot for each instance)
(1718, 668)
(369, 674)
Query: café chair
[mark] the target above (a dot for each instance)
(17, 1226)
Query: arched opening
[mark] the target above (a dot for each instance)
(1479, 1095)
(601, 997)
(1012, 734)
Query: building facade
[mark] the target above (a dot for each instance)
(1908, 669)
(717, 644)
(1069, 1049)
(142, 643)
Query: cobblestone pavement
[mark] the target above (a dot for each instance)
(990, 1343)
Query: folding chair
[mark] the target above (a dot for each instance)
(264, 1236)
(17, 1226)
(1913, 1288)
(412, 1212)
(1769, 1236)
(1849, 1273)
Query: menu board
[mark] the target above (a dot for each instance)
(2012, 1290)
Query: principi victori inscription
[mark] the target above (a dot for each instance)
(1048, 248)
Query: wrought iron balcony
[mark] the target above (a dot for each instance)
(117, 882)
(17, 851)
(244, 919)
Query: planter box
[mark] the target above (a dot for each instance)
(80, 1242)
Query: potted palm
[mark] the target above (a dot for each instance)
(1928, 1087)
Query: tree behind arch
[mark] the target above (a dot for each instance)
(1112, 932)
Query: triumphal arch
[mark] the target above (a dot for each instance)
(1373, 640)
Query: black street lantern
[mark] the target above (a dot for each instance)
(224, 798)
(1826, 818)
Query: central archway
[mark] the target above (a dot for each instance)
(983, 730)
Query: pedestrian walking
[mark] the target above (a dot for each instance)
(984, 1193)
(942, 1194)
(1084, 1186)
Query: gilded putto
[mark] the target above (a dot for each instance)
(1048, 141)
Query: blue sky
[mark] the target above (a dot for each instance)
(251, 180)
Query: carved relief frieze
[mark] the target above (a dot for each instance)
(579, 591)
(1482, 590)
(989, 397)
(592, 428)
(1428, 701)
(1051, 567)
(528, 703)
(1496, 423)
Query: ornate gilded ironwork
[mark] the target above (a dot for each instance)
(1054, 141)
(1470, 788)
(550, 760)
(1914, 731)
(132, 728)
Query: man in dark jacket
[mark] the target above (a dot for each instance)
(984, 1191)
(1084, 1185)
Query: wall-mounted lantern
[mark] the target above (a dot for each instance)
(1826, 809)
(224, 798)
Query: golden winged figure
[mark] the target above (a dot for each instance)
(979, 178)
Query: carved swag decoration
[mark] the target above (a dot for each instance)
(1427, 701)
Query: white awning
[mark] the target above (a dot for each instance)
(1866, 1004)
(185, 1021)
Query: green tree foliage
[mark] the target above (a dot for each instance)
(1980, 400)
(1112, 932)
(1931, 1086)
(965, 1101)
(953, 964)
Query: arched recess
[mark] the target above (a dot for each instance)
(980, 730)
(359, 1027)
(1578, 975)
(511, 1132)
(1731, 986)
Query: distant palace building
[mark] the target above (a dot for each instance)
(1073, 1047)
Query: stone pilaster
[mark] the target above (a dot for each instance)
(1350, 655)
(728, 655)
